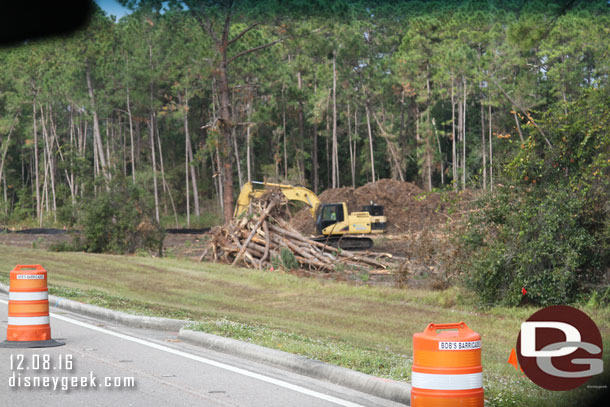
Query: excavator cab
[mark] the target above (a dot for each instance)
(328, 215)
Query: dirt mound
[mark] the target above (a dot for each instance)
(406, 206)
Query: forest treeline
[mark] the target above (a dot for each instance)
(190, 99)
(159, 118)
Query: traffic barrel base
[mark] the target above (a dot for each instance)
(461, 398)
(31, 344)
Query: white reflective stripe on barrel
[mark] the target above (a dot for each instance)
(447, 381)
(31, 296)
(28, 320)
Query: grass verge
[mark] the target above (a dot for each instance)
(365, 328)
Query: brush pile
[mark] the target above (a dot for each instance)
(264, 238)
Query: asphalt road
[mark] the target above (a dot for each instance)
(108, 365)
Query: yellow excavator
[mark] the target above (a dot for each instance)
(335, 226)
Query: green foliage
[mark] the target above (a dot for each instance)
(37, 242)
(364, 276)
(547, 229)
(76, 245)
(599, 298)
(119, 220)
(21, 212)
(340, 267)
(286, 260)
(289, 261)
(539, 243)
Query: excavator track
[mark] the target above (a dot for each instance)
(346, 242)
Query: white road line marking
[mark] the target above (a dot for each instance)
(200, 359)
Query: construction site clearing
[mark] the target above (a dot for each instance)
(417, 223)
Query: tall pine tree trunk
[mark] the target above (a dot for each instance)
(354, 148)
(335, 155)
(221, 183)
(351, 152)
(249, 145)
(166, 187)
(483, 147)
(428, 158)
(464, 137)
(314, 152)
(491, 157)
(153, 159)
(368, 124)
(73, 148)
(225, 140)
(453, 141)
(132, 146)
(327, 137)
(402, 131)
(440, 152)
(97, 137)
(300, 144)
(189, 157)
(45, 178)
(49, 140)
(237, 159)
(36, 169)
(186, 174)
(2, 177)
(108, 143)
(285, 143)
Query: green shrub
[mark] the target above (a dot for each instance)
(289, 262)
(548, 229)
(541, 244)
(76, 245)
(600, 298)
(118, 220)
(285, 260)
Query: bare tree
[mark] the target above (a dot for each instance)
(222, 40)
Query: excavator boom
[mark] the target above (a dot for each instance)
(256, 189)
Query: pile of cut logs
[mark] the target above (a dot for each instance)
(256, 239)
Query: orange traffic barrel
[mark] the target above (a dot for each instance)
(28, 309)
(447, 369)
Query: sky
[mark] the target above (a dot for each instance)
(112, 7)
